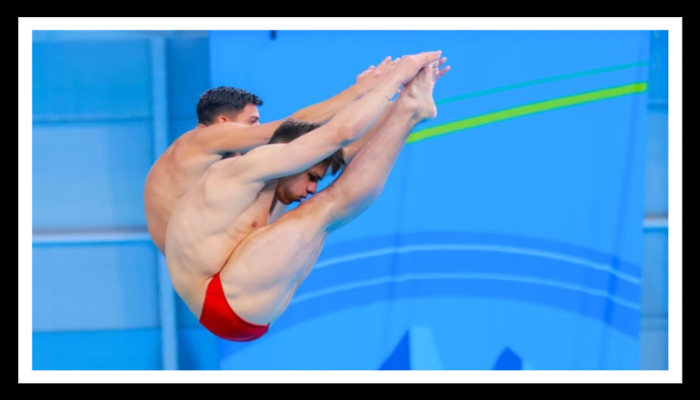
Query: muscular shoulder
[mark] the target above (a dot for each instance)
(250, 165)
(223, 178)
(186, 155)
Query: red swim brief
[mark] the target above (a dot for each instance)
(218, 317)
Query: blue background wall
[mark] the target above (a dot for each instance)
(105, 104)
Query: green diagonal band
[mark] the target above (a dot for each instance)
(528, 109)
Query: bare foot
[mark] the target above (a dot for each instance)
(418, 93)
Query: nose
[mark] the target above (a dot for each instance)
(312, 188)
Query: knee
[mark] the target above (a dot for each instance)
(338, 207)
(319, 211)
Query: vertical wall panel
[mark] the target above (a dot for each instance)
(188, 78)
(92, 287)
(90, 175)
(655, 313)
(91, 79)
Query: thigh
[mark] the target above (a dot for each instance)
(264, 271)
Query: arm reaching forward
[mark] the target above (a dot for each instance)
(322, 112)
(348, 125)
(232, 137)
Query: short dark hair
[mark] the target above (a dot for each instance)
(223, 100)
(292, 129)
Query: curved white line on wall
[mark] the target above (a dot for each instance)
(478, 247)
(419, 277)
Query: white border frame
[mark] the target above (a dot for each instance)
(673, 25)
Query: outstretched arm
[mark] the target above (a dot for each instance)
(234, 137)
(231, 137)
(351, 150)
(322, 112)
(347, 126)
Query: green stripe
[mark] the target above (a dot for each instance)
(540, 81)
(528, 109)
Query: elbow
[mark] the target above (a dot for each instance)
(345, 135)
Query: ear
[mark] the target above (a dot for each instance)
(221, 118)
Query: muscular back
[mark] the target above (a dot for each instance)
(186, 160)
(169, 179)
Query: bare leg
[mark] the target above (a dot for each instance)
(364, 178)
(265, 270)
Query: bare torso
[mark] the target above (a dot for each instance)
(206, 226)
(168, 180)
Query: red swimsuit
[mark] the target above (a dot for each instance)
(218, 317)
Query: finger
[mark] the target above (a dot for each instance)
(390, 67)
(443, 71)
(442, 61)
(431, 56)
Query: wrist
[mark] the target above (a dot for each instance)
(356, 91)
(389, 85)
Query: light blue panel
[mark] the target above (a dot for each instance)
(188, 74)
(654, 344)
(97, 350)
(81, 80)
(94, 287)
(82, 35)
(655, 274)
(90, 176)
(656, 199)
(658, 69)
(198, 350)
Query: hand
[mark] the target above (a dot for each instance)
(418, 93)
(408, 66)
(371, 76)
